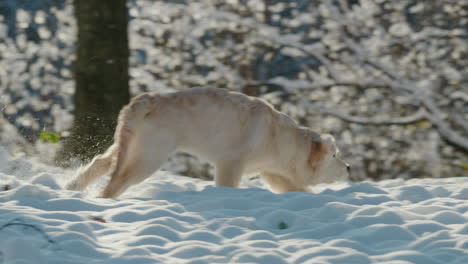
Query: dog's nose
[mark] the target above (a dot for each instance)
(348, 169)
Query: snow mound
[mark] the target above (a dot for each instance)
(174, 219)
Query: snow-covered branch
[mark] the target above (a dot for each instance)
(399, 83)
(420, 115)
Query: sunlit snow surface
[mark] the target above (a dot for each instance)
(174, 219)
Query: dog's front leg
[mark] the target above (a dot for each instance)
(229, 173)
(281, 184)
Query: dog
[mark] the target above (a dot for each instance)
(238, 134)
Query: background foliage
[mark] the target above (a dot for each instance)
(388, 78)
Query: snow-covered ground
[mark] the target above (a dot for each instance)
(175, 219)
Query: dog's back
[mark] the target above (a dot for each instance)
(206, 120)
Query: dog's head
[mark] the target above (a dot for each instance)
(323, 162)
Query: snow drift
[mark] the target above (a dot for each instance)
(175, 219)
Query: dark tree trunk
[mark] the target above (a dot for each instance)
(267, 12)
(101, 75)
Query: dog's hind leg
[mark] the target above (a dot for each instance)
(133, 173)
(99, 166)
(143, 160)
(228, 173)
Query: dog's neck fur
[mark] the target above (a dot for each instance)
(286, 161)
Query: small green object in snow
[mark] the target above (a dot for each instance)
(49, 137)
(282, 225)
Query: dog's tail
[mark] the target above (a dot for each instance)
(130, 118)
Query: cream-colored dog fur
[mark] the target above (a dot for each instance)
(237, 133)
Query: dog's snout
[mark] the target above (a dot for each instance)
(348, 169)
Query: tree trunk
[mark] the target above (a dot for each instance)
(101, 75)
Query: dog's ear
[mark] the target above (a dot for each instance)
(318, 150)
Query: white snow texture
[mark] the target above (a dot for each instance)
(175, 219)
